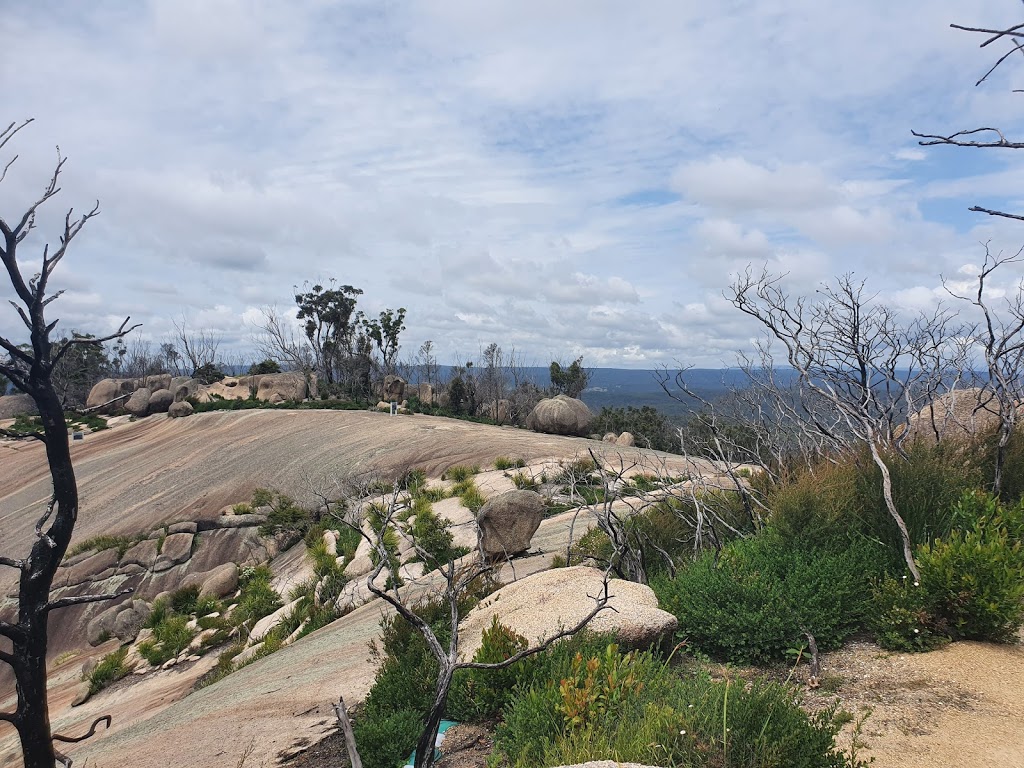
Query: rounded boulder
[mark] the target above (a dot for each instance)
(560, 415)
(507, 523)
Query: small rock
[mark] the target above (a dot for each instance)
(81, 694)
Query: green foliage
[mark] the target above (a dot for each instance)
(110, 669)
(480, 694)
(242, 508)
(264, 366)
(171, 635)
(901, 617)
(386, 740)
(262, 497)
(524, 482)
(472, 498)
(460, 473)
(631, 707)
(570, 380)
(285, 515)
(504, 462)
(434, 494)
(100, 543)
(258, 598)
(184, 600)
(843, 499)
(649, 426)
(577, 472)
(208, 373)
(975, 581)
(432, 534)
(758, 596)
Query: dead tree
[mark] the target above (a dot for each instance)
(859, 369)
(984, 138)
(30, 368)
(457, 580)
(1001, 338)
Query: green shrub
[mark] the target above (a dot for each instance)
(504, 462)
(577, 472)
(844, 498)
(902, 619)
(524, 482)
(386, 740)
(242, 508)
(258, 598)
(171, 636)
(100, 543)
(262, 497)
(434, 494)
(286, 515)
(459, 473)
(184, 600)
(632, 707)
(975, 582)
(432, 534)
(480, 694)
(758, 596)
(110, 669)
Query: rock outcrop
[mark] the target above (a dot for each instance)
(508, 521)
(393, 389)
(17, 405)
(540, 605)
(138, 404)
(180, 409)
(160, 401)
(560, 415)
(957, 415)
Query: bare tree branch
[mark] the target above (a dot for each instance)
(64, 602)
(105, 719)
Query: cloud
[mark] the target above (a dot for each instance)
(554, 176)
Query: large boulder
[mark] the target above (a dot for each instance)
(217, 582)
(560, 415)
(281, 387)
(138, 404)
(228, 388)
(425, 393)
(393, 389)
(156, 381)
(106, 390)
(17, 405)
(183, 387)
(538, 606)
(180, 409)
(508, 521)
(957, 416)
(160, 401)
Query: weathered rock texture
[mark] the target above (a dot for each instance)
(560, 415)
(540, 605)
(17, 405)
(393, 389)
(179, 409)
(956, 415)
(508, 521)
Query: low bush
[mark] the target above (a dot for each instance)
(110, 669)
(480, 694)
(972, 582)
(185, 600)
(632, 707)
(171, 635)
(902, 619)
(504, 462)
(100, 543)
(258, 598)
(757, 597)
(524, 482)
(459, 473)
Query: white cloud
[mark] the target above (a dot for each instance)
(555, 176)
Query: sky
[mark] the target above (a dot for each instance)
(577, 177)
